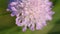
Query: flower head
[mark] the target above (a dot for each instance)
(31, 13)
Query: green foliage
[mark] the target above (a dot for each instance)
(8, 26)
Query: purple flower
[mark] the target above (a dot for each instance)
(31, 13)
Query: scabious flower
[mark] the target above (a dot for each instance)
(31, 13)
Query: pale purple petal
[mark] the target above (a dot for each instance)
(24, 29)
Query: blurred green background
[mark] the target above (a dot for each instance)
(8, 26)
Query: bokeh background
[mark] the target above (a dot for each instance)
(8, 26)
